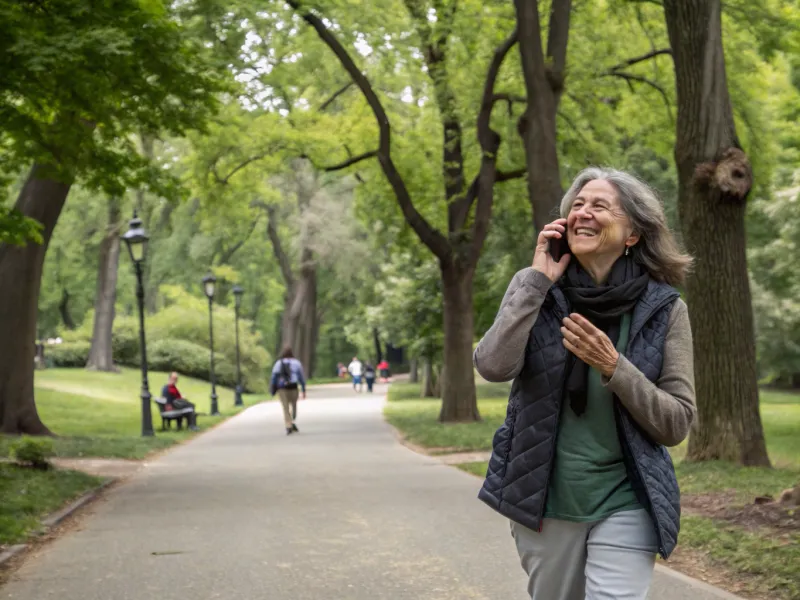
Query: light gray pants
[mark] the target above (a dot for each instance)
(612, 559)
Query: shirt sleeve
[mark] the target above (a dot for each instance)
(665, 408)
(500, 355)
(301, 377)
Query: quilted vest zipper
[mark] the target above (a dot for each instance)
(557, 310)
(631, 458)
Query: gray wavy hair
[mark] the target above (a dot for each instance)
(657, 250)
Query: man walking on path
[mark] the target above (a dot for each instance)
(356, 370)
(287, 375)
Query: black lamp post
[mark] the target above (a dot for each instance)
(209, 282)
(237, 295)
(136, 241)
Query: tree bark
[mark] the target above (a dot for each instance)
(715, 178)
(458, 378)
(427, 390)
(100, 354)
(544, 83)
(413, 374)
(42, 198)
(63, 310)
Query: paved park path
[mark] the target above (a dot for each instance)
(339, 511)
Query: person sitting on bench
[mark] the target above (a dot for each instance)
(176, 402)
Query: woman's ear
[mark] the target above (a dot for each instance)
(632, 240)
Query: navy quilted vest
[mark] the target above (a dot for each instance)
(523, 447)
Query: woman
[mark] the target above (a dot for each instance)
(600, 350)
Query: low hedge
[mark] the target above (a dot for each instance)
(184, 357)
(68, 354)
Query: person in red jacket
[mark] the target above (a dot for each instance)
(176, 401)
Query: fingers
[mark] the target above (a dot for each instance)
(571, 337)
(572, 348)
(584, 323)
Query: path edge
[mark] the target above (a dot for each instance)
(697, 583)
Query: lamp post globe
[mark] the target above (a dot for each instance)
(237, 296)
(136, 241)
(209, 287)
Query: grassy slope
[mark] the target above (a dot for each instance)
(99, 414)
(771, 562)
(29, 494)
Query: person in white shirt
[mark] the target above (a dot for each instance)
(356, 370)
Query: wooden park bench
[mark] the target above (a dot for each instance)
(167, 416)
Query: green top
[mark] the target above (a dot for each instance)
(589, 481)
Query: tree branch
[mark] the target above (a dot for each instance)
(429, 235)
(228, 254)
(335, 95)
(224, 180)
(637, 59)
(275, 240)
(350, 161)
(501, 176)
(490, 144)
(630, 78)
(557, 39)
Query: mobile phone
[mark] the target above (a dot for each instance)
(558, 247)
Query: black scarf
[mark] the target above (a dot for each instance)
(604, 306)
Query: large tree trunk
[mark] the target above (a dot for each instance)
(42, 198)
(100, 355)
(299, 317)
(715, 179)
(544, 82)
(459, 400)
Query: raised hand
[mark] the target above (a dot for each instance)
(542, 261)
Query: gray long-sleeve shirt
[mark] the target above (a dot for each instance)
(664, 408)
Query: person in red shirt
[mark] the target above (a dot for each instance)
(176, 401)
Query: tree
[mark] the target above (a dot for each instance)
(459, 249)
(544, 74)
(100, 357)
(715, 178)
(102, 72)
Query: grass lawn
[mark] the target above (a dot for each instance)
(99, 414)
(29, 495)
(767, 558)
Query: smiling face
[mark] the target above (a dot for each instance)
(597, 227)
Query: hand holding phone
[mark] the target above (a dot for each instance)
(552, 250)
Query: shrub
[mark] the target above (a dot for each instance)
(68, 354)
(125, 341)
(33, 452)
(178, 355)
(193, 360)
(187, 320)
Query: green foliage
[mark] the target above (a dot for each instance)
(77, 77)
(187, 320)
(178, 333)
(68, 354)
(32, 452)
(17, 229)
